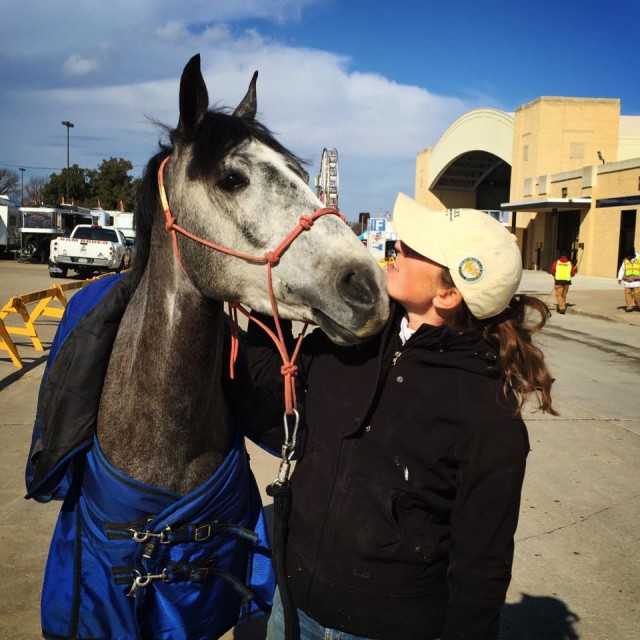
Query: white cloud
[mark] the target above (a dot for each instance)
(174, 31)
(132, 57)
(77, 65)
(217, 33)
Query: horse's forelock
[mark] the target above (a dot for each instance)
(218, 133)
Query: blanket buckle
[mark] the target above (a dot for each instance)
(202, 532)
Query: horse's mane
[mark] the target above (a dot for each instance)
(147, 204)
(215, 135)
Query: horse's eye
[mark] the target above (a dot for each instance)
(232, 181)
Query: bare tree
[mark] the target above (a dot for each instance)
(34, 191)
(9, 182)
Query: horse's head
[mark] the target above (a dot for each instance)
(231, 183)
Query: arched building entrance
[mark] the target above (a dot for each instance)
(470, 166)
(479, 173)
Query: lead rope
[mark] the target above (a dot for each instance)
(280, 488)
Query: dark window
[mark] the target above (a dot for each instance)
(96, 233)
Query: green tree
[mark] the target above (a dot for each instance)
(106, 187)
(113, 184)
(81, 191)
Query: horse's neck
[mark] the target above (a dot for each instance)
(163, 418)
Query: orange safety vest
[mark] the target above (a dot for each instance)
(563, 270)
(632, 268)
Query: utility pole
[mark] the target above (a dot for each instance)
(21, 186)
(69, 125)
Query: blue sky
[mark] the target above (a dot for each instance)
(380, 81)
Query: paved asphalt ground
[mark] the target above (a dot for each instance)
(576, 571)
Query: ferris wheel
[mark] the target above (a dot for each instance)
(327, 182)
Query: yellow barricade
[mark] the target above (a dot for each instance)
(107, 274)
(6, 344)
(44, 298)
(76, 284)
(18, 305)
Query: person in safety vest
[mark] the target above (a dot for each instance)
(562, 270)
(629, 274)
(406, 491)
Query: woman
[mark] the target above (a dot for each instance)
(407, 492)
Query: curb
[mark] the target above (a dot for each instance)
(623, 318)
(601, 316)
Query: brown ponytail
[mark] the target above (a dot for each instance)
(524, 369)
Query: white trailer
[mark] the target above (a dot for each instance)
(123, 220)
(9, 225)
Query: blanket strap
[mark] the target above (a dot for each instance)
(195, 532)
(180, 572)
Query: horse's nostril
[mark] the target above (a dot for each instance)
(358, 287)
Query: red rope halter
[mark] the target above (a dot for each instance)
(271, 259)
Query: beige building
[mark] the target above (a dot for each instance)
(563, 173)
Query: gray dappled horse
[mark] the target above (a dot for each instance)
(165, 431)
(230, 182)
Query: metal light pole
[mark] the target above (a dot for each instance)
(69, 125)
(21, 186)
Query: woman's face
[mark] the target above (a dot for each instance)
(413, 280)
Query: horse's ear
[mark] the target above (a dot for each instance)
(194, 99)
(249, 106)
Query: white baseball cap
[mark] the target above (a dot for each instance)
(480, 253)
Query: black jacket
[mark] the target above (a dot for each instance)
(407, 493)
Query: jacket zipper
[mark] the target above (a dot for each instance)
(383, 375)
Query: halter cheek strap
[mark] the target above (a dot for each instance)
(270, 259)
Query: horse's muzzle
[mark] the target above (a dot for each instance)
(364, 309)
(359, 288)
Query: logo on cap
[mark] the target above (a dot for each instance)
(470, 269)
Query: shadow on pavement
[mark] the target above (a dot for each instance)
(18, 373)
(533, 618)
(538, 618)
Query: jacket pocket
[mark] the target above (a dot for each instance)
(379, 537)
(419, 529)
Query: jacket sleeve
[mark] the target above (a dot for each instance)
(621, 271)
(573, 270)
(259, 413)
(552, 271)
(483, 524)
(263, 364)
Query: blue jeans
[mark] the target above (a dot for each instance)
(309, 628)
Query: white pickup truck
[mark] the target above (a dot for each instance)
(89, 248)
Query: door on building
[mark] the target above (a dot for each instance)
(627, 235)
(568, 230)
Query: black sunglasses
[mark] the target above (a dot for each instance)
(407, 251)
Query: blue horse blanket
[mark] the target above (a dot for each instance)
(129, 560)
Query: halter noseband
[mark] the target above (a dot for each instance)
(270, 258)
